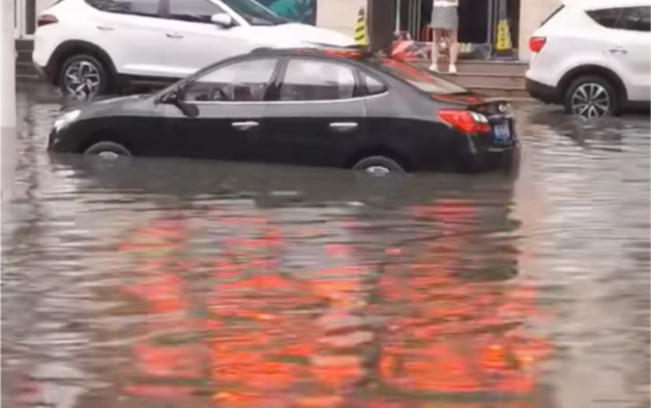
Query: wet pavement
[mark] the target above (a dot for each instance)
(177, 283)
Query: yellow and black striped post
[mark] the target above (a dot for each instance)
(360, 35)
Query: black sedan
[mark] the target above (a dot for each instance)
(333, 108)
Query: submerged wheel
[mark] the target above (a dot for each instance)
(82, 77)
(591, 96)
(107, 150)
(379, 166)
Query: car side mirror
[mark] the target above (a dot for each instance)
(222, 19)
(176, 98)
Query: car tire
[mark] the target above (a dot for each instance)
(379, 166)
(83, 77)
(591, 96)
(108, 150)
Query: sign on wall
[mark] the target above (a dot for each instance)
(302, 11)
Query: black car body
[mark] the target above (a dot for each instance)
(302, 107)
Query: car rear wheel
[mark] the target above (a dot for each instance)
(108, 150)
(591, 96)
(83, 76)
(379, 166)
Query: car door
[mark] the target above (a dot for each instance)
(316, 119)
(132, 33)
(229, 101)
(194, 41)
(629, 52)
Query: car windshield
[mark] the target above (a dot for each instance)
(254, 13)
(421, 78)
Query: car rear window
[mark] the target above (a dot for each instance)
(605, 17)
(421, 78)
(555, 12)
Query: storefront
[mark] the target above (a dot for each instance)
(478, 25)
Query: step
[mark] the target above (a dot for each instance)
(24, 68)
(514, 68)
(24, 56)
(496, 91)
(478, 80)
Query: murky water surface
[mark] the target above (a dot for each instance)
(162, 283)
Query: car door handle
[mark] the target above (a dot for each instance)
(244, 125)
(343, 126)
(173, 35)
(105, 28)
(620, 50)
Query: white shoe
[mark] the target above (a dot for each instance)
(452, 69)
(434, 68)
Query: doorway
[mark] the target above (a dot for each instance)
(474, 21)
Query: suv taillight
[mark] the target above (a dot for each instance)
(465, 121)
(536, 43)
(46, 19)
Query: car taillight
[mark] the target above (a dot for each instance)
(536, 43)
(465, 121)
(46, 19)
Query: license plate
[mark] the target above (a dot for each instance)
(502, 133)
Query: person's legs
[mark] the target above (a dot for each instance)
(453, 47)
(436, 39)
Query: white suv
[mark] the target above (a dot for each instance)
(89, 47)
(593, 57)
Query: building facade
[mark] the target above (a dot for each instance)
(478, 18)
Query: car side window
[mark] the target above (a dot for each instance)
(244, 81)
(199, 11)
(635, 19)
(147, 8)
(606, 17)
(373, 86)
(313, 80)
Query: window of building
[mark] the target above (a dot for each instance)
(193, 10)
(635, 19)
(239, 82)
(148, 8)
(606, 17)
(311, 80)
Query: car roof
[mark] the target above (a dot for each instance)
(323, 52)
(600, 4)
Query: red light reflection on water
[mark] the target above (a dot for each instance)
(444, 335)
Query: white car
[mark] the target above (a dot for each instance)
(89, 47)
(593, 57)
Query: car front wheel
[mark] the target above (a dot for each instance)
(107, 150)
(82, 77)
(379, 166)
(591, 96)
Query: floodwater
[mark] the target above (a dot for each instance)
(168, 283)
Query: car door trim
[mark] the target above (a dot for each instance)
(359, 98)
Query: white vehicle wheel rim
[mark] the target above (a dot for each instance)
(378, 170)
(108, 155)
(591, 100)
(82, 79)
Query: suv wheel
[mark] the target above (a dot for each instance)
(379, 166)
(82, 77)
(591, 96)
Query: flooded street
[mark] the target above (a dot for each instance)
(176, 283)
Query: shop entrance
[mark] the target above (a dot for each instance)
(478, 21)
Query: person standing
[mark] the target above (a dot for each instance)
(445, 23)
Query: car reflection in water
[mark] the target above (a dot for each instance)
(255, 291)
